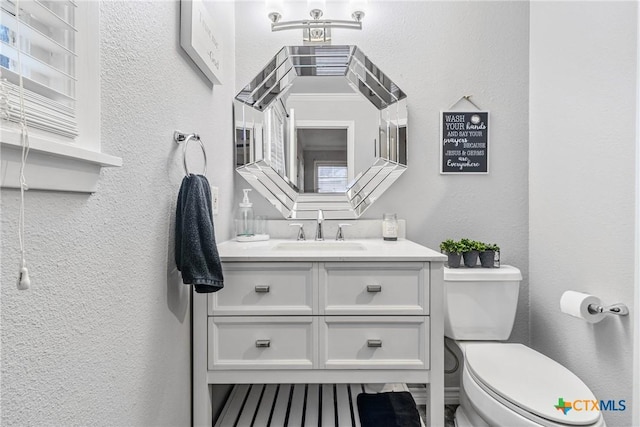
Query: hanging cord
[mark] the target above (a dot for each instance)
(466, 98)
(23, 279)
(455, 358)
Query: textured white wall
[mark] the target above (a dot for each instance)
(582, 168)
(436, 52)
(102, 338)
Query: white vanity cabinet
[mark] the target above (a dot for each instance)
(322, 318)
(376, 288)
(266, 288)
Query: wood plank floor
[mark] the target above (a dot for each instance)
(297, 405)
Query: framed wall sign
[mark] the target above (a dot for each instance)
(464, 142)
(198, 39)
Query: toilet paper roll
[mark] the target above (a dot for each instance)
(577, 304)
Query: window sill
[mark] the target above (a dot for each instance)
(52, 165)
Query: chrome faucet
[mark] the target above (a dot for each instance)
(319, 233)
(340, 233)
(300, 231)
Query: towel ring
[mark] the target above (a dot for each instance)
(183, 138)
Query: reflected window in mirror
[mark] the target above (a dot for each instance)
(330, 176)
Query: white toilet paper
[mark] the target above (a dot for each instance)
(576, 304)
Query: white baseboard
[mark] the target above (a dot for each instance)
(451, 395)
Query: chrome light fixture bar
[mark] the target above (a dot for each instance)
(316, 30)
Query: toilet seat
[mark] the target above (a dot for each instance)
(527, 383)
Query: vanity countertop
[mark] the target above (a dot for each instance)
(327, 250)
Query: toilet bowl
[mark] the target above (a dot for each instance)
(506, 384)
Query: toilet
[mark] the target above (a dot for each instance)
(505, 384)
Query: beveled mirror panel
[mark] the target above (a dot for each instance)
(321, 127)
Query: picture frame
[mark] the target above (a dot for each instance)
(464, 142)
(198, 39)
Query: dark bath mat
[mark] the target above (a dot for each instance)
(391, 409)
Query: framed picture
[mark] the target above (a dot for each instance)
(464, 142)
(198, 38)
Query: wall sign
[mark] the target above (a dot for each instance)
(464, 142)
(198, 39)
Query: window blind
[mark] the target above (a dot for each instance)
(331, 177)
(277, 144)
(46, 39)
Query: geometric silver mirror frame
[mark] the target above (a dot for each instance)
(321, 128)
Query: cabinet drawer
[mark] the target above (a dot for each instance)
(262, 342)
(367, 342)
(265, 289)
(374, 288)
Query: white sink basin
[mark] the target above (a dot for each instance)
(313, 245)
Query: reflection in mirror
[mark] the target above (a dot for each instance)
(321, 127)
(323, 165)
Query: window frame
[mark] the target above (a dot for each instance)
(54, 163)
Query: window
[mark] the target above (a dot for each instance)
(331, 177)
(46, 40)
(47, 45)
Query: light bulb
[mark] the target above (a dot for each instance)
(358, 9)
(316, 8)
(274, 9)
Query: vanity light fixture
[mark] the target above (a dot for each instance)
(315, 30)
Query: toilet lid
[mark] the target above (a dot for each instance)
(532, 381)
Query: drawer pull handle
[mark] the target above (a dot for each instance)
(374, 343)
(263, 343)
(262, 289)
(374, 288)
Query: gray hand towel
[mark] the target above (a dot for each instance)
(196, 252)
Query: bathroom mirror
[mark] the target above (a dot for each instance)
(321, 127)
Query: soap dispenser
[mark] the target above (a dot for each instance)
(244, 218)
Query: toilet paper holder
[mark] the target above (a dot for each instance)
(618, 309)
(588, 307)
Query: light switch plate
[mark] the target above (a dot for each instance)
(214, 200)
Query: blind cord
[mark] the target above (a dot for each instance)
(23, 282)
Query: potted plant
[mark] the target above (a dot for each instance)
(470, 250)
(488, 255)
(452, 249)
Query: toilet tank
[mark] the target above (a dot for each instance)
(480, 303)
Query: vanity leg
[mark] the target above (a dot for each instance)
(200, 394)
(435, 403)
